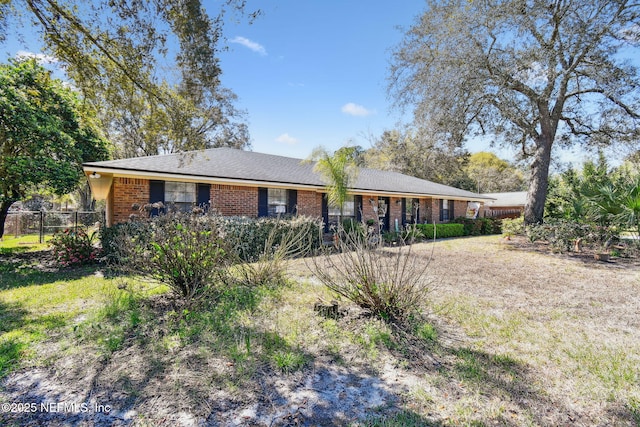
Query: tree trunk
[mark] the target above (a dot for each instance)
(86, 200)
(4, 209)
(537, 193)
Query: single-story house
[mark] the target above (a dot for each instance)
(505, 205)
(233, 182)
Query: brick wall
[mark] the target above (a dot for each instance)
(459, 208)
(426, 211)
(126, 192)
(310, 203)
(395, 212)
(367, 208)
(434, 205)
(234, 200)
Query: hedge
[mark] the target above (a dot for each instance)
(244, 236)
(442, 230)
(480, 226)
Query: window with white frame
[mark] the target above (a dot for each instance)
(348, 210)
(411, 207)
(180, 196)
(277, 201)
(446, 210)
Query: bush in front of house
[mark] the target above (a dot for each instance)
(441, 230)
(479, 226)
(563, 235)
(181, 250)
(72, 248)
(513, 226)
(390, 283)
(121, 242)
(250, 238)
(192, 253)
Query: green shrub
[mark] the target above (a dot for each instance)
(350, 225)
(491, 226)
(479, 226)
(74, 248)
(246, 237)
(442, 230)
(119, 242)
(562, 234)
(471, 227)
(186, 253)
(513, 227)
(192, 253)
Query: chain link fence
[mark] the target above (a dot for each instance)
(41, 223)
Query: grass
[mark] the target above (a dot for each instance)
(29, 243)
(550, 340)
(34, 307)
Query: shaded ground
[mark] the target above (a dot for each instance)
(525, 337)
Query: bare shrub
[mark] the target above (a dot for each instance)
(389, 282)
(282, 243)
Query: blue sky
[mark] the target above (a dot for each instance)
(313, 73)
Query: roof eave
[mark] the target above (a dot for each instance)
(89, 168)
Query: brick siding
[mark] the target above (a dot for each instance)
(435, 210)
(310, 203)
(459, 208)
(367, 208)
(234, 200)
(126, 192)
(395, 212)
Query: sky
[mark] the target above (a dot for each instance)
(312, 73)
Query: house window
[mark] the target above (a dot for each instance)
(446, 210)
(348, 210)
(180, 196)
(411, 211)
(277, 201)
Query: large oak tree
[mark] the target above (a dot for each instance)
(536, 73)
(45, 135)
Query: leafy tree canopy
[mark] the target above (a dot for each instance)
(152, 67)
(416, 154)
(534, 73)
(45, 134)
(493, 174)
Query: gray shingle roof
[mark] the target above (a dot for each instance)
(510, 199)
(230, 163)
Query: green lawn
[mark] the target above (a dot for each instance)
(10, 244)
(35, 305)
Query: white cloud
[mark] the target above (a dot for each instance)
(285, 138)
(356, 110)
(256, 47)
(40, 57)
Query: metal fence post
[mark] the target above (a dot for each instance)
(41, 228)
